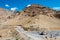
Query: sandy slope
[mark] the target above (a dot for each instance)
(42, 21)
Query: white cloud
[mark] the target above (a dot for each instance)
(6, 5)
(28, 5)
(56, 8)
(14, 8)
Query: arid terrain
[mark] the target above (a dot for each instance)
(34, 22)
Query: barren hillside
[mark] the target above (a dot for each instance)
(32, 18)
(36, 15)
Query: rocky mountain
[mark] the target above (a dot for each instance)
(31, 18)
(3, 14)
(35, 15)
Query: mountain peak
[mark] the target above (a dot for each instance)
(36, 9)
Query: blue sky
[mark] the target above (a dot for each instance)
(20, 4)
